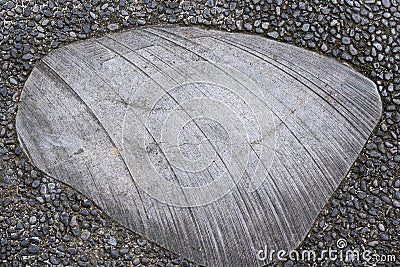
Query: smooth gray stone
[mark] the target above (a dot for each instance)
(214, 145)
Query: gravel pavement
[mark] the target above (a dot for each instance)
(46, 223)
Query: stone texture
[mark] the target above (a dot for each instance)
(303, 119)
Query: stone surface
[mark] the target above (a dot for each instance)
(107, 115)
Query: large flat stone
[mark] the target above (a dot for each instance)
(214, 145)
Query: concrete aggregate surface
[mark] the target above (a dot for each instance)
(44, 222)
(225, 142)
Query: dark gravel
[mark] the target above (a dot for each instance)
(46, 223)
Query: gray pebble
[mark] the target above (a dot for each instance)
(114, 254)
(136, 261)
(112, 241)
(27, 56)
(33, 250)
(64, 218)
(356, 18)
(210, 3)
(248, 26)
(53, 260)
(373, 243)
(273, 34)
(141, 22)
(305, 27)
(10, 5)
(141, 242)
(113, 27)
(51, 186)
(73, 222)
(85, 235)
(13, 81)
(124, 251)
(386, 3)
(346, 40)
(32, 220)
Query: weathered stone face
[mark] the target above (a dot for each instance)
(212, 144)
